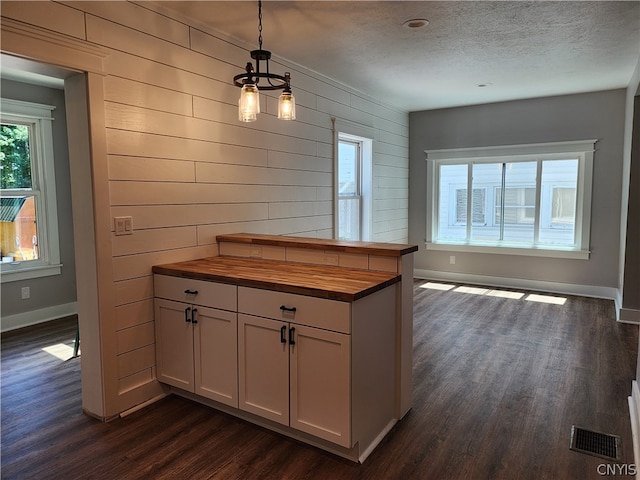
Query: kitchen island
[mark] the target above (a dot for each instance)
(307, 349)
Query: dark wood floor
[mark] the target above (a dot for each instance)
(498, 384)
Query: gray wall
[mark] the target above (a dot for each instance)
(631, 289)
(57, 289)
(598, 115)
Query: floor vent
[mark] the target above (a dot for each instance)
(595, 443)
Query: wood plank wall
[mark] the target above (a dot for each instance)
(186, 170)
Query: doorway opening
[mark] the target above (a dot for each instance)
(36, 297)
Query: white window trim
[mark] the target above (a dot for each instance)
(343, 129)
(40, 116)
(583, 149)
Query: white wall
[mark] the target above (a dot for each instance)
(185, 169)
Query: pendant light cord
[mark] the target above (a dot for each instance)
(260, 23)
(260, 39)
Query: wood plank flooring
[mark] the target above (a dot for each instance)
(498, 382)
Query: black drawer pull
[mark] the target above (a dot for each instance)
(193, 315)
(187, 311)
(291, 332)
(283, 338)
(287, 309)
(191, 292)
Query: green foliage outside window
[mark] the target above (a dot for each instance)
(15, 159)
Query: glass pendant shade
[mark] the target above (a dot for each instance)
(249, 103)
(286, 106)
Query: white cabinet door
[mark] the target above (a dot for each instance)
(263, 368)
(174, 343)
(320, 384)
(216, 355)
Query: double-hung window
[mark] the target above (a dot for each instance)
(525, 199)
(349, 190)
(353, 194)
(28, 212)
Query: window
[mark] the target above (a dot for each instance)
(349, 190)
(535, 198)
(563, 204)
(28, 216)
(353, 170)
(478, 206)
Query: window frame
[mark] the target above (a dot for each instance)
(357, 196)
(39, 118)
(583, 150)
(365, 136)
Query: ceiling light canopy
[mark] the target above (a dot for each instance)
(415, 23)
(249, 103)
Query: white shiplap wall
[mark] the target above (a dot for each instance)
(186, 170)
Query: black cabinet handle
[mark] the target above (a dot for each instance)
(283, 338)
(287, 309)
(191, 292)
(291, 332)
(193, 315)
(187, 311)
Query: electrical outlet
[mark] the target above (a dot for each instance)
(452, 259)
(26, 293)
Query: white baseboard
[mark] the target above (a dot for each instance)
(521, 283)
(26, 319)
(634, 414)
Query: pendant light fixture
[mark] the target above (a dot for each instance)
(249, 103)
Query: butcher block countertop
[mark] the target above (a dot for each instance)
(371, 248)
(336, 283)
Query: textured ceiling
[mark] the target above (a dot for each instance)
(523, 49)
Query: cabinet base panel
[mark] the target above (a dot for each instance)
(383, 433)
(142, 405)
(358, 453)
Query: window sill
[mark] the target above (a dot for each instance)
(529, 251)
(27, 273)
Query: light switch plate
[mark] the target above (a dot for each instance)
(123, 225)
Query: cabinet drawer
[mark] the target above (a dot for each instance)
(312, 311)
(210, 294)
